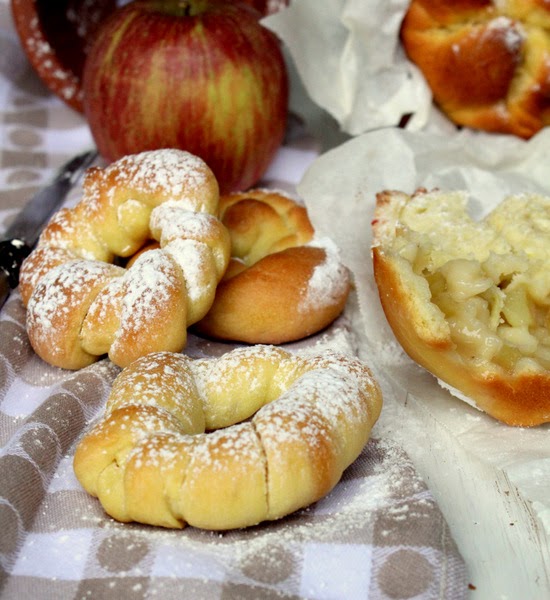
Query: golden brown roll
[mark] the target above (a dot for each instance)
(282, 284)
(486, 62)
(470, 300)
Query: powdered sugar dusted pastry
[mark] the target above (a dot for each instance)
(227, 442)
(470, 300)
(81, 306)
(282, 283)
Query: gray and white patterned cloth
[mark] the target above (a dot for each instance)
(379, 534)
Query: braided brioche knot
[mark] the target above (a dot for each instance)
(282, 283)
(486, 62)
(281, 430)
(262, 222)
(81, 306)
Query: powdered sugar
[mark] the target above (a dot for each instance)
(172, 220)
(172, 172)
(195, 260)
(321, 416)
(215, 450)
(329, 280)
(106, 302)
(148, 288)
(376, 486)
(61, 292)
(512, 31)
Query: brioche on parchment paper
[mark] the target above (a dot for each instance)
(468, 299)
(486, 61)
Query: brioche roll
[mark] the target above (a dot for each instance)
(469, 300)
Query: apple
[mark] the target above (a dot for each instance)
(201, 75)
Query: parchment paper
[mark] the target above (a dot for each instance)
(339, 190)
(349, 58)
(492, 481)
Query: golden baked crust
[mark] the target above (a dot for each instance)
(486, 62)
(281, 430)
(281, 284)
(470, 300)
(80, 305)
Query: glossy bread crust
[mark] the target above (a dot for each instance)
(281, 285)
(485, 62)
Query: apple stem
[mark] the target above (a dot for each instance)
(184, 8)
(181, 8)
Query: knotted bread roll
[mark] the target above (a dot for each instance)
(282, 283)
(487, 62)
(227, 442)
(81, 306)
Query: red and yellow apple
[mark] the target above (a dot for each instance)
(201, 75)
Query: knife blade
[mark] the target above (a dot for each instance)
(23, 233)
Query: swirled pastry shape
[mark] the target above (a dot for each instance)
(227, 442)
(80, 305)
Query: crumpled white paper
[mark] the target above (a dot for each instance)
(350, 60)
(339, 190)
(491, 481)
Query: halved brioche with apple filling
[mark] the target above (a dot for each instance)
(469, 300)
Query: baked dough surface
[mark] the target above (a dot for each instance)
(486, 61)
(227, 442)
(282, 283)
(80, 305)
(468, 299)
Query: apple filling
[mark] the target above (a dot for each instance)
(489, 279)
